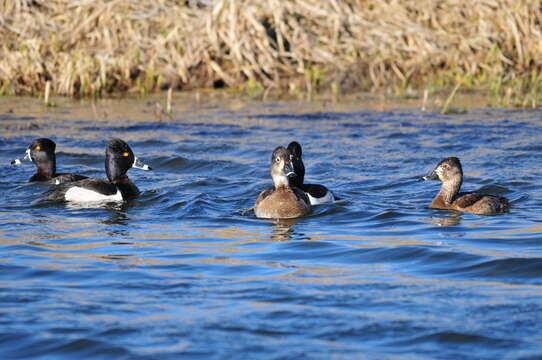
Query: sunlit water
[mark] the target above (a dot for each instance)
(187, 271)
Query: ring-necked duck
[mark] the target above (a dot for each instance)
(42, 153)
(318, 194)
(118, 159)
(282, 201)
(450, 173)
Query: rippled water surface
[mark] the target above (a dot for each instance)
(187, 271)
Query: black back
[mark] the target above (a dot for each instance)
(315, 190)
(63, 178)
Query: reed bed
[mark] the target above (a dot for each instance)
(93, 48)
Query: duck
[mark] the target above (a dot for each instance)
(450, 173)
(318, 194)
(119, 158)
(283, 201)
(42, 153)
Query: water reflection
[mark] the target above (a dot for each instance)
(108, 205)
(117, 218)
(451, 219)
(283, 229)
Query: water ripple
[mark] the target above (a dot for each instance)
(187, 270)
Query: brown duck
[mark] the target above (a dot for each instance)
(282, 201)
(450, 173)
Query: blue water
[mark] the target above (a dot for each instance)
(187, 271)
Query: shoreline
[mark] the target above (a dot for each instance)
(298, 47)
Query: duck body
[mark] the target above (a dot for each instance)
(94, 190)
(282, 201)
(480, 204)
(117, 187)
(317, 194)
(450, 173)
(42, 153)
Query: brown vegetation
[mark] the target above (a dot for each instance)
(91, 47)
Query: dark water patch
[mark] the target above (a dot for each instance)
(510, 270)
(81, 347)
(169, 163)
(323, 116)
(120, 128)
(455, 343)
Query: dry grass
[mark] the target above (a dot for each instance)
(91, 47)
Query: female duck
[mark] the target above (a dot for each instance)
(282, 201)
(318, 194)
(450, 173)
(118, 159)
(42, 153)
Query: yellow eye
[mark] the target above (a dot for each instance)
(38, 147)
(126, 154)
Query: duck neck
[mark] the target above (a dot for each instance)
(122, 179)
(114, 172)
(47, 169)
(127, 189)
(295, 181)
(449, 190)
(280, 182)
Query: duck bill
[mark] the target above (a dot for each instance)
(288, 170)
(138, 164)
(432, 176)
(26, 157)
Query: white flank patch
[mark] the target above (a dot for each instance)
(327, 198)
(79, 194)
